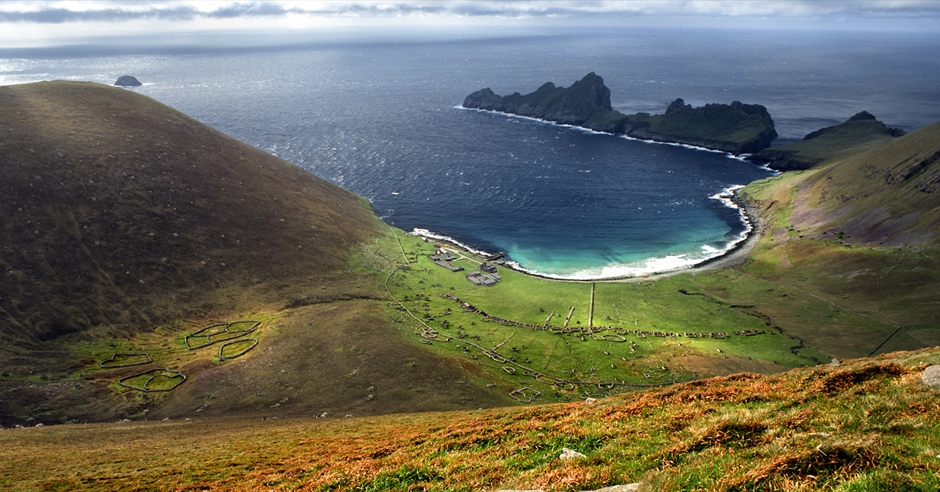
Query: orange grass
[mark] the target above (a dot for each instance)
(866, 424)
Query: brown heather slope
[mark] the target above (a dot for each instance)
(120, 211)
(125, 225)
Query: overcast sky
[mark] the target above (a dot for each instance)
(45, 23)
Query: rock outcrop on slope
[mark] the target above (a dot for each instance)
(735, 128)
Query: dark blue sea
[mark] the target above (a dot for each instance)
(382, 118)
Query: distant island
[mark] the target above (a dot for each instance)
(127, 81)
(736, 128)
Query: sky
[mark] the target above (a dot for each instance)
(51, 23)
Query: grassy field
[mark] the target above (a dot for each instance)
(864, 426)
(548, 337)
(539, 341)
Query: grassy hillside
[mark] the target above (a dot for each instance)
(856, 135)
(866, 425)
(127, 226)
(859, 233)
(120, 211)
(147, 252)
(884, 197)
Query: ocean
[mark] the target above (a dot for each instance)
(381, 117)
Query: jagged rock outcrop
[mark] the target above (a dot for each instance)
(586, 103)
(127, 81)
(736, 128)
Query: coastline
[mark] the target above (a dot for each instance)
(741, 251)
(731, 258)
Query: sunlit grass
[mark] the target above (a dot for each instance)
(869, 425)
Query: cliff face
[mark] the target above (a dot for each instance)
(586, 103)
(736, 128)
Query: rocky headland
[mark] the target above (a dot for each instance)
(861, 129)
(735, 128)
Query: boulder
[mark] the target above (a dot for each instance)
(570, 454)
(931, 376)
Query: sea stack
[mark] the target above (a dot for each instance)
(128, 81)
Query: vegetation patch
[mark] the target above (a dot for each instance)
(237, 348)
(154, 380)
(745, 432)
(219, 332)
(841, 380)
(580, 339)
(125, 360)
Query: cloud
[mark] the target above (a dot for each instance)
(122, 13)
(63, 12)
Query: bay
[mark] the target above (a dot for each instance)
(382, 119)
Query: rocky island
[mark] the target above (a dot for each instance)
(127, 81)
(735, 128)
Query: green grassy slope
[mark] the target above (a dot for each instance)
(859, 234)
(127, 226)
(856, 135)
(887, 196)
(864, 426)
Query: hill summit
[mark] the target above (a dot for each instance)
(121, 211)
